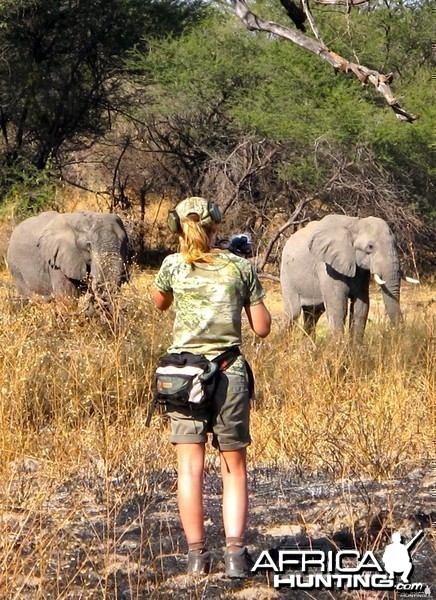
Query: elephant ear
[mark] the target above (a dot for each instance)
(334, 246)
(58, 247)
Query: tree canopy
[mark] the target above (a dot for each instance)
(176, 98)
(61, 68)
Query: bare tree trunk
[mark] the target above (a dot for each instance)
(114, 199)
(316, 46)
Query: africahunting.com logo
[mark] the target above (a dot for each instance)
(344, 569)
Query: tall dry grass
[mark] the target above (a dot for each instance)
(74, 396)
(349, 409)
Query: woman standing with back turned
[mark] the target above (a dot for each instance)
(210, 288)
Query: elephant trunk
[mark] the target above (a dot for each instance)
(391, 279)
(391, 299)
(108, 272)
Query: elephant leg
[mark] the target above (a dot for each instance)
(311, 315)
(292, 306)
(336, 309)
(62, 285)
(359, 295)
(20, 284)
(359, 309)
(335, 291)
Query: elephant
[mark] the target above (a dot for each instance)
(56, 254)
(329, 262)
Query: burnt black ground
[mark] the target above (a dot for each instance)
(104, 540)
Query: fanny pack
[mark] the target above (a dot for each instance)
(186, 379)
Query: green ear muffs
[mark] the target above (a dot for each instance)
(214, 212)
(173, 221)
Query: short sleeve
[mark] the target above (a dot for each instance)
(255, 291)
(162, 281)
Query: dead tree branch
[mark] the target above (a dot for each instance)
(260, 264)
(291, 221)
(316, 46)
(246, 160)
(306, 8)
(346, 3)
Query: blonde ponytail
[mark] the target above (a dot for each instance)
(195, 244)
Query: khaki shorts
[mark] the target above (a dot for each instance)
(227, 416)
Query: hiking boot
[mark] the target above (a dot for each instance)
(238, 564)
(198, 564)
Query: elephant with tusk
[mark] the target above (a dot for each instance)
(55, 255)
(327, 265)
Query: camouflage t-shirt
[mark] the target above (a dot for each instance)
(208, 300)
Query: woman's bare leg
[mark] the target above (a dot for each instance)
(235, 493)
(190, 458)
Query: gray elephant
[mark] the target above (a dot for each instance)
(329, 262)
(55, 255)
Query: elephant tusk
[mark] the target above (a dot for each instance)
(378, 279)
(411, 280)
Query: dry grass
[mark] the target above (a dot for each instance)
(346, 409)
(75, 449)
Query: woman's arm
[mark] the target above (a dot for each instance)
(162, 300)
(259, 319)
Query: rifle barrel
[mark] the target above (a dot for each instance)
(414, 539)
